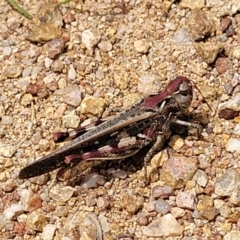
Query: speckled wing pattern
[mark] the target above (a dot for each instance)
(148, 122)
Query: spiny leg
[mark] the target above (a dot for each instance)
(160, 137)
(158, 145)
(163, 135)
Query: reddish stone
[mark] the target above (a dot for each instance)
(19, 228)
(223, 64)
(54, 47)
(65, 37)
(225, 22)
(68, 18)
(161, 192)
(34, 203)
(209, 190)
(33, 89)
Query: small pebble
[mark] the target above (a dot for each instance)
(36, 221)
(71, 120)
(142, 219)
(71, 95)
(26, 99)
(12, 71)
(99, 74)
(235, 52)
(3, 177)
(192, 4)
(141, 46)
(26, 72)
(208, 51)
(92, 180)
(7, 51)
(201, 178)
(225, 22)
(161, 206)
(60, 111)
(199, 24)
(131, 203)
(232, 145)
(104, 223)
(118, 173)
(209, 213)
(177, 212)
(105, 46)
(236, 129)
(92, 106)
(47, 24)
(145, 63)
(7, 150)
(177, 170)
(176, 142)
(68, 18)
(181, 37)
(90, 38)
(61, 193)
(33, 89)
(57, 66)
(227, 183)
(48, 62)
(103, 203)
(13, 211)
(148, 84)
(72, 73)
(48, 231)
(161, 192)
(186, 199)
(232, 235)
(7, 120)
(164, 226)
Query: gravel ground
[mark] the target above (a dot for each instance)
(79, 61)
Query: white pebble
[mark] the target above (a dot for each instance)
(7, 150)
(25, 197)
(26, 72)
(148, 84)
(48, 231)
(104, 223)
(170, 26)
(72, 73)
(233, 145)
(236, 130)
(141, 46)
(36, 70)
(181, 37)
(48, 62)
(7, 51)
(13, 211)
(7, 120)
(90, 38)
(92, 180)
(233, 103)
(165, 226)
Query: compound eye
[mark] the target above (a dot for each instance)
(184, 88)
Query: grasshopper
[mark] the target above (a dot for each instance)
(149, 122)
